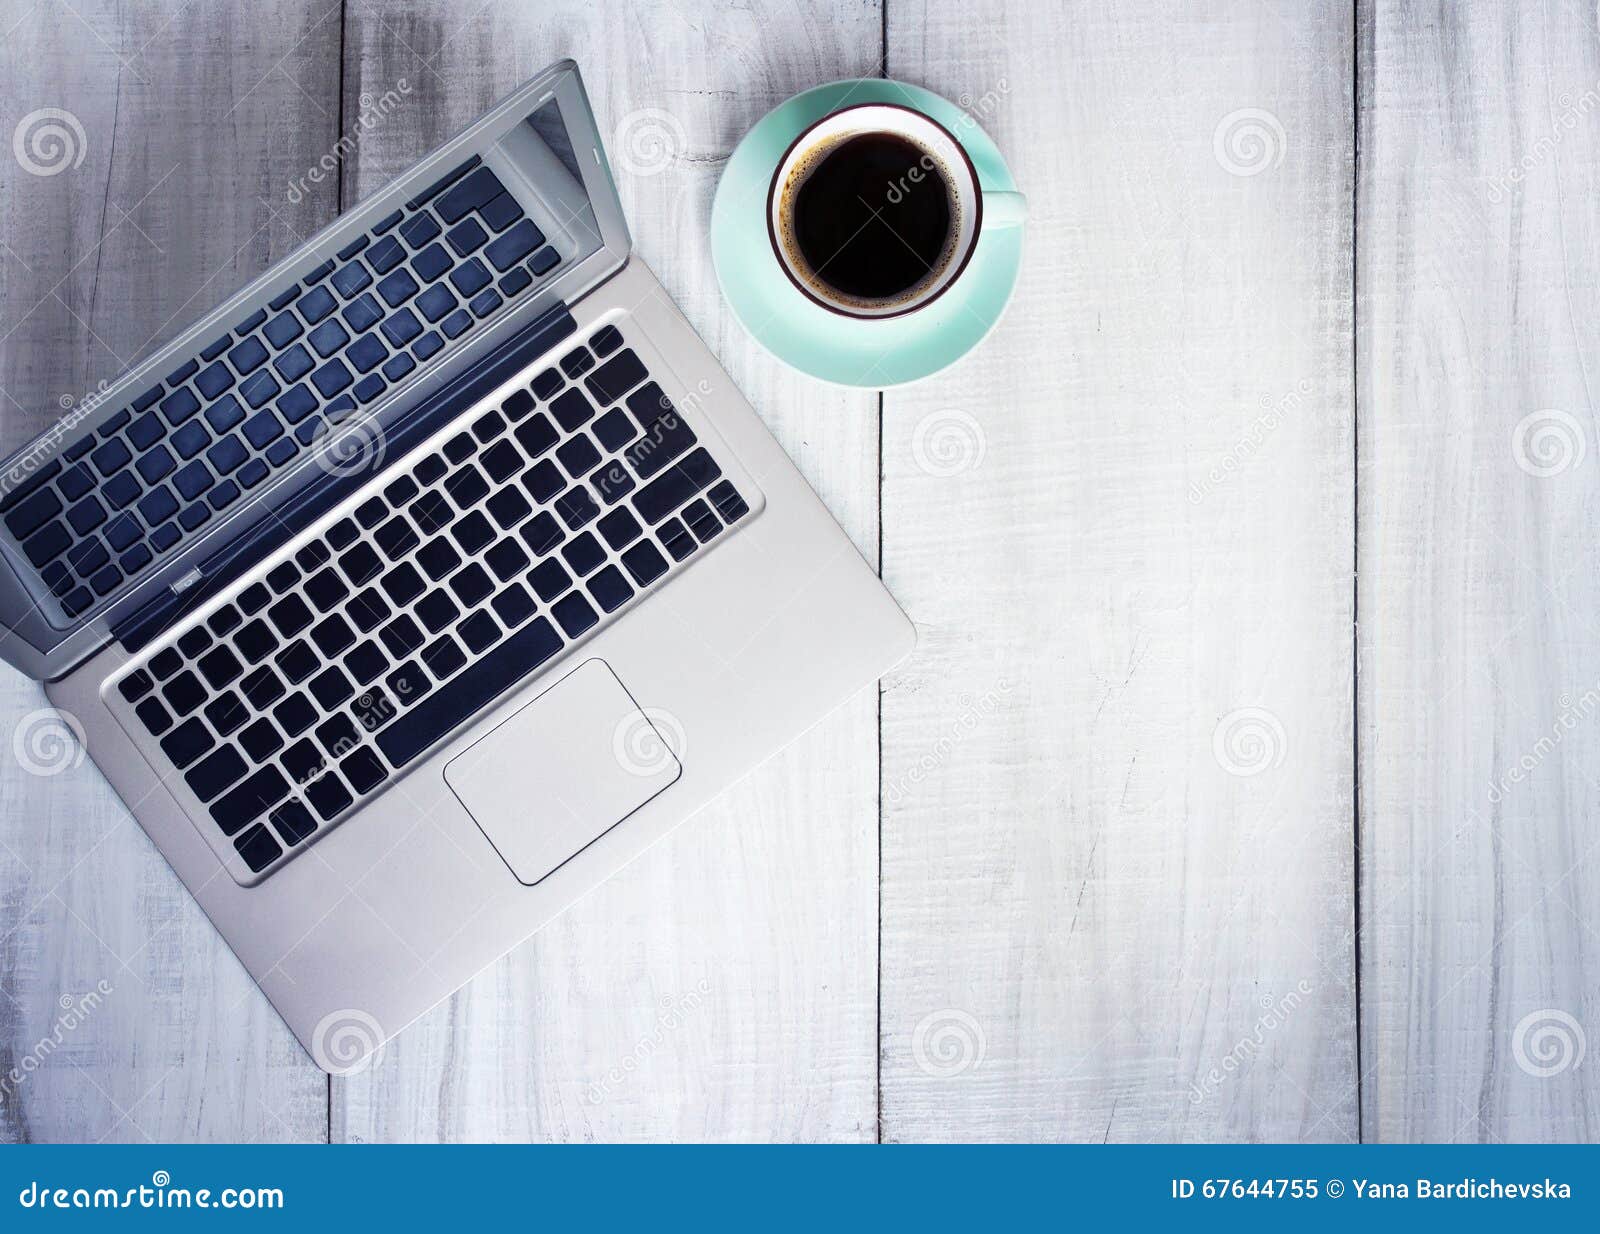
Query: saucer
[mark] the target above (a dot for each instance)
(865, 354)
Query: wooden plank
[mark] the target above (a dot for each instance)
(1480, 645)
(1117, 871)
(122, 1012)
(723, 986)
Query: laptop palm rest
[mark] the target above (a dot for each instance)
(561, 772)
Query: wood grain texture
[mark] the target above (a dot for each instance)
(1480, 641)
(1123, 528)
(190, 128)
(723, 987)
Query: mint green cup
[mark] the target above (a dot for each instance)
(830, 342)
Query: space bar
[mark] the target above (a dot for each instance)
(464, 695)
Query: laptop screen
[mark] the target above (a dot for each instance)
(124, 498)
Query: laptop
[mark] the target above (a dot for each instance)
(429, 579)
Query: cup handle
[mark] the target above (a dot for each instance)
(1004, 209)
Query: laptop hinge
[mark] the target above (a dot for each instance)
(297, 507)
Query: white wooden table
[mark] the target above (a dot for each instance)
(1152, 838)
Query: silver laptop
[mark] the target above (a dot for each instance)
(429, 579)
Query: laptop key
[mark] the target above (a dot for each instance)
(363, 770)
(443, 657)
(187, 742)
(302, 761)
(507, 250)
(645, 562)
(468, 692)
(668, 491)
(184, 693)
(478, 632)
(255, 641)
(295, 714)
(665, 438)
(34, 512)
(226, 712)
(216, 773)
(477, 189)
(574, 613)
(386, 254)
(153, 716)
(701, 521)
(315, 305)
(332, 635)
(258, 848)
(329, 796)
(577, 362)
(419, 229)
(47, 543)
(330, 688)
(619, 528)
(290, 615)
(261, 740)
(249, 799)
(543, 480)
(616, 377)
(350, 279)
(408, 683)
(297, 661)
(292, 821)
(500, 212)
(467, 237)
(609, 589)
(373, 709)
(219, 666)
(337, 735)
(261, 688)
(571, 410)
(729, 504)
(135, 685)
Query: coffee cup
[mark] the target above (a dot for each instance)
(874, 211)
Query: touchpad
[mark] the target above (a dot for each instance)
(562, 772)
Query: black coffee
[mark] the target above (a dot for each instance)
(873, 218)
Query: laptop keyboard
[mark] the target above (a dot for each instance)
(258, 395)
(465, 566)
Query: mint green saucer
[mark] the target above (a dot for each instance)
(847, 352)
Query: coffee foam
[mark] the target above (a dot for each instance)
(801, 171)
